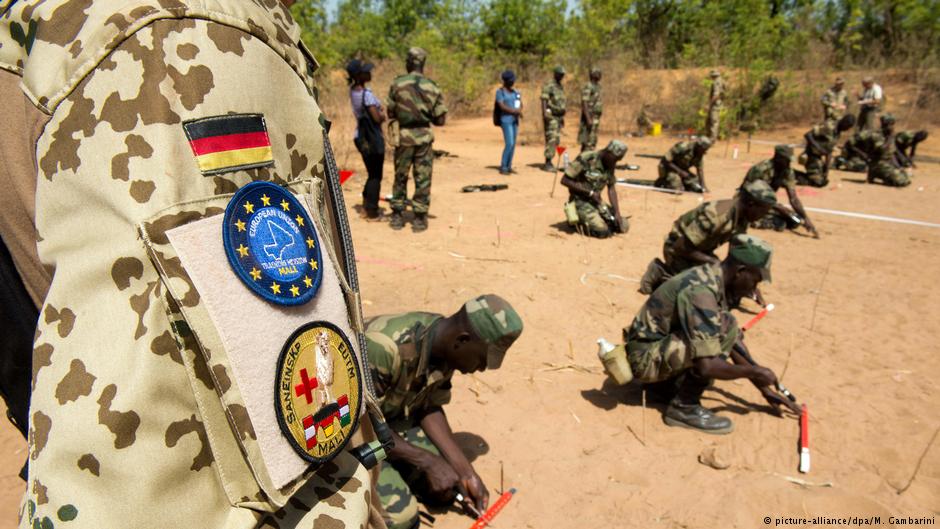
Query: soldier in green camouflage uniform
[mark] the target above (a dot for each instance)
(685, 332)
(905, 143)
(675, 168)
(856, 152)
(835, 102)
(591, 109)
(699, 232)
(820, 142)
(643, 120)
(414, 102)
(554, 106)
(715, 95)
(884, 165)
(137, 418)
(777, 173)
(413, 357)
(585, 177)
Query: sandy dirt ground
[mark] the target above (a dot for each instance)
(855, 336)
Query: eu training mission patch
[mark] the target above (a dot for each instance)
(229, 143)
(271, 244)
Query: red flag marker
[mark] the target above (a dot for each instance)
(804, 440)
(494, 509)
(345, 175)
(759, 317)
(560, 150)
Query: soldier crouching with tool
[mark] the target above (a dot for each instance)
(413, 357)
(685, 333)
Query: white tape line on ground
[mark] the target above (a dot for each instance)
(873, 217)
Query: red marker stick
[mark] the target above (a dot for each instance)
(494, 509)
(759, 317)
(804, 440)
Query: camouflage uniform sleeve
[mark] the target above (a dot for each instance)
(546, 92)
(698, 223)
(753, 174)
(391, 105)
(441, 394)
(575, 168)
(438, 108)
(700, 321)
(384, 361)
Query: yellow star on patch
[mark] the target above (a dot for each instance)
(294, 290)
(314, 264)
(255, 273)
(275, 288)
(249, 207)
(285, 205)
(242, 250)
(300, 220)
(266, 200)
(308, 282)
(240, 225)
(309, 242)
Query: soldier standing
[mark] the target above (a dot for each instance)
(835, 101)
(591, 109)
(870, 103)
(685, 331)
(554, 106)
(712, 124)
(413, 357)
(699, 232)
(821, 140)
(414, 102)
(585, 177)
(675, 168)
(777, 173)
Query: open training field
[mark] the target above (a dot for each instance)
(855, 336)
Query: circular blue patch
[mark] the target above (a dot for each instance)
(271, 244)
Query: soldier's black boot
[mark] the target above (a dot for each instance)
(655, 275)
(396, 222)
(686, 410)
(420, 223)
(548, 166)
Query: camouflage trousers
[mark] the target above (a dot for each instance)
(672, 180)
(889, 175)
(815, 174)
(398, 483)
(420, 159)
(672, 355)
(552, 136)
(587, 134)
(713, 122)
(591, 218)
(853, 164)
(673, 261)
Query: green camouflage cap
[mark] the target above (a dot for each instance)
(760, 191)
(595, 71)
(714, 73)
(783, 151)
(617, 148)
(753, 251)
(559, 70)
(704, 141)
(417, 55)
(495, 321)
(887, 119)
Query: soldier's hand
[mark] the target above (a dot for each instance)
(777, 400)
(442, 478)
(763, 378)
(812, 229)
(477, 491)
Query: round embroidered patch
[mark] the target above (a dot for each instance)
(271, 244)
(317, 391)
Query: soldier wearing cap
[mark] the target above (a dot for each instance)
(675, 168)
(712, 124)
(870, 103)
(591, 109)
(776, 173)
(585, 177)
(685, 332)
(414, 103)
(413, 357)
(835, 101)
(554, 106)
(906, 143)
(698, 233)
(883, 164)
(820, 141)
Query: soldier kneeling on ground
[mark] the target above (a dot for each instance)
(585, 177)
(884, 165)
(412, 358)
(906, 146)
(684, 335)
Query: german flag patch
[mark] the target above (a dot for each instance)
(229, 143)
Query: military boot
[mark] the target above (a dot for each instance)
(548, 166)
(696, 417)
(420, 223)
(396, 222)
(655, 275)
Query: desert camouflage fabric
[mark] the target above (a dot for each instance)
(683, 155)
(704, 228)
(831, 100)
(587, 131)
(415, 102)
(686, 318)
(883, 167)
(133, 418)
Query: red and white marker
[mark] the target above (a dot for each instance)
(759, 317)
(494, 509)
(804, 440)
